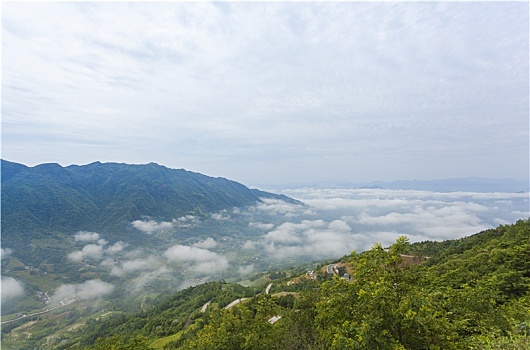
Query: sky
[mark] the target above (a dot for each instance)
(273, 92)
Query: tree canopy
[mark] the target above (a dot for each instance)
(473, 293)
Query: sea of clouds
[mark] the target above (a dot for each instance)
(334, 222)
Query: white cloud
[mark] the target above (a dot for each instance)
(146, 277)
(96, 251)
(246, 270)
(339, 225)
(208, 243)
(94, 289)
(11, 289)
(89, 251)
(85, 236)
(355, 219)
(285, 233)
(386, 238)
(211, 267)
(221, 216)
(187, 218)
(202, 260)
(152, 226)
(500, 221)
(331, 224)
(182, 253)
(310, 239)
(132, 266)
(88, 290)
(279, 207)
(439, 221)
(249, 245)
(5, 253)
(108, 262)
(116, 247)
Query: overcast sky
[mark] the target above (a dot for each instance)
(271, 93)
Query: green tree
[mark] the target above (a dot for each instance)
(385, 307)
(116, 342)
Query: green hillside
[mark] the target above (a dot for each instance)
(49, 201)
(472, 293)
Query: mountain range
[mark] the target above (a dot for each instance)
(50, 200)
(467, 184)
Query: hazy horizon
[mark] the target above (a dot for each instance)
(462, 184)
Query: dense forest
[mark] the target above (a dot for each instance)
(48, 201)
(471, 293)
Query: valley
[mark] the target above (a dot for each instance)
(112, 261)
(286, 175)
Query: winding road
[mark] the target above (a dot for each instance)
(63, 303)
(203, 309)
(235, 302)
(331, 267)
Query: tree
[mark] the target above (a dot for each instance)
(116, 342)
(384, 307)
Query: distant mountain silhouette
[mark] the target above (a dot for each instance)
(468, 184)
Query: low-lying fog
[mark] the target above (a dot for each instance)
(330, 224)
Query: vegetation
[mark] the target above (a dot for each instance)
(169, 316)
(473, 293)
(48, 200)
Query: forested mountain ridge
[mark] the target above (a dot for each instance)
(473, 293)
(105, 197)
